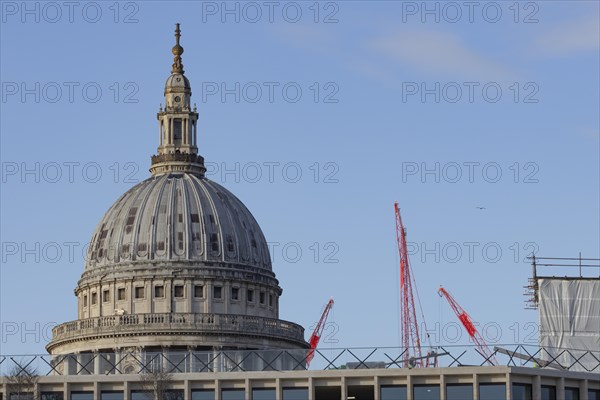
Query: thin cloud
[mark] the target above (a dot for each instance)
(570, 38)
(440, 53)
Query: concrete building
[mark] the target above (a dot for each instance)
(179, 281)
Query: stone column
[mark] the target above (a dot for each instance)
(97, 363)
(583, 389)
(279, 390)
(126, 395)
(537, 388)
(195, 132)
(560, 389)
(443, 387)
(160, 133)
(117, 361)
(344, 388)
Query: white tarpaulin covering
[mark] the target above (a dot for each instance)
(570, 320)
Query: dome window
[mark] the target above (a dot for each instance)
(121, 294)
(177, 130)
(230, 245)
(235, 293)
(94, 298)
(195, 218)
(106, 296)
(262, 297)
(139, 292)
(159, 291)
(250, 295)
(199, 291)
(180, 240)
(217, 292)
(178, 291)
(85, 301)
(214, 242)
(270, 300)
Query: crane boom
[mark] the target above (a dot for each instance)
(411, 342)
(316, 335)
(466, 321)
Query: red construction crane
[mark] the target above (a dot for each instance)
(316, 335)
(411, 342)
(465, 319)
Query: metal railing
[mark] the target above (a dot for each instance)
(130, 362)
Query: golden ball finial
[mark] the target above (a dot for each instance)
(177, 52)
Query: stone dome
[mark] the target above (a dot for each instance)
(177, 83)
(179, 218)
(177, 262)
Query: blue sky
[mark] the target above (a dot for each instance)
(441, 112)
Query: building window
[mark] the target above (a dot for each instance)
(159, 291)
(250, 295)
(270, 300)
(177, 129)
(111, 395)
(199, 291)
(593, 394)
(121, 294)
(178, 291)
(459, 392)
(548, 393)
(173, 394)
(106, 296)
(82, 395)
(203, 394)
(263, 394)
(294, 393)
(230, 246)
(261, 297)
(214, 242)
(233, 394)
(393, 393)
(426, 392)
(235, 293)
(217, 292)
(521, 391)
(571, 393)
(492, 391)
(85, 301)
(139, 292)
(52, 396)
(94, 298)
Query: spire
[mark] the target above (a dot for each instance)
(177, 52)
(177, 124)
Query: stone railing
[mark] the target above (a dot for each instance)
(177, 157)
(178, 323)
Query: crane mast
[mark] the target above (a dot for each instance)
(316, 335)
(466, 321)
(411, 342)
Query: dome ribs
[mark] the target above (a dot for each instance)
(179, 217)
